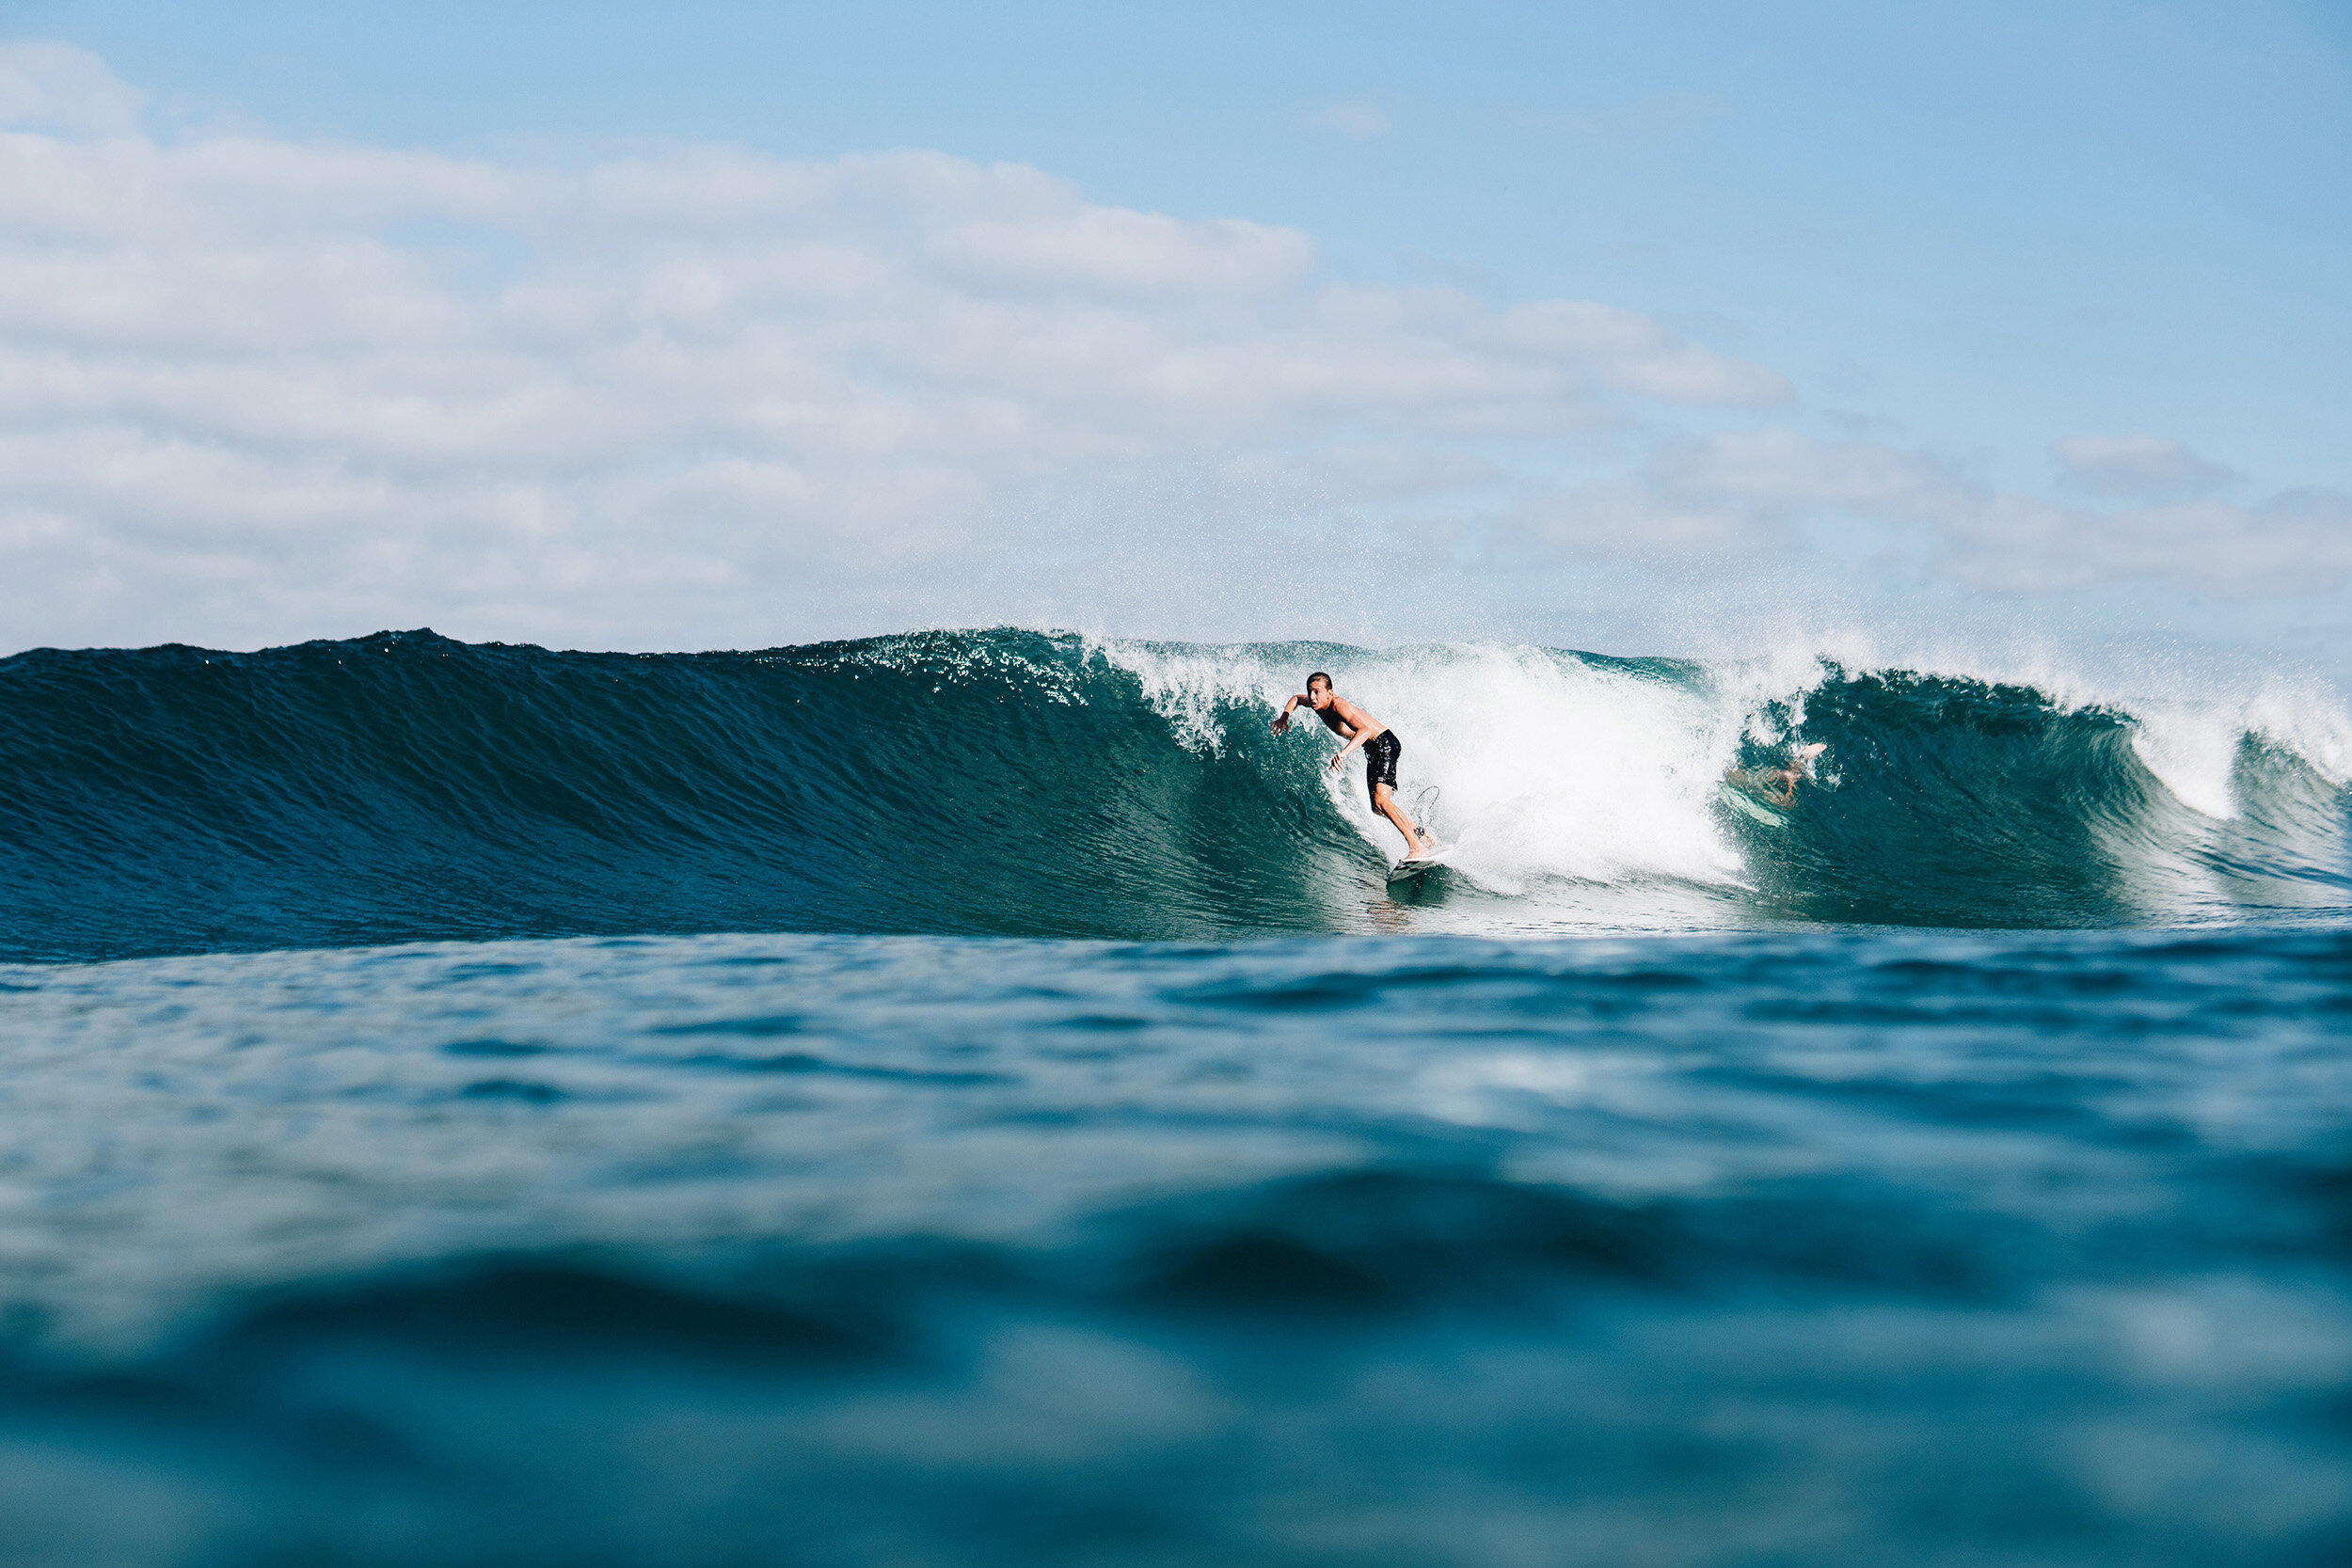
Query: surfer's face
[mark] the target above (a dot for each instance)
(1320, 695)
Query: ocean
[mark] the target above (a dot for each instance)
(969, 1097)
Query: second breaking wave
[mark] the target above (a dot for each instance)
(405, 786)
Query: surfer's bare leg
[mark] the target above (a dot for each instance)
(1416, 842)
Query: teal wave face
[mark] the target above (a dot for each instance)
(1960, 802)
(405, 785)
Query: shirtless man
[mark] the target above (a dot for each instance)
(1381, 749)
(1800, 768)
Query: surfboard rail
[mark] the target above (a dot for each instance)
(1413, 867)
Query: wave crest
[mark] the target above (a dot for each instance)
(405, 785)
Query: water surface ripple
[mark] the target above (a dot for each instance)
(1814, 1248)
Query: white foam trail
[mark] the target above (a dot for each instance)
(1546, 765)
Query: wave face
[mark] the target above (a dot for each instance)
(405, 785)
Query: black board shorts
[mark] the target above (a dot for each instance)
(1380, 754)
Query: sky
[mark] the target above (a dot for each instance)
(1645, 329)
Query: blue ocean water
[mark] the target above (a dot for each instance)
(970, 1099)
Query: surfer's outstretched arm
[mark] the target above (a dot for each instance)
(1799, 769)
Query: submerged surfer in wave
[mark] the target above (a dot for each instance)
(1381, 749)
(1779, 784)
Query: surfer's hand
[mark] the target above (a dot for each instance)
(1337, 760)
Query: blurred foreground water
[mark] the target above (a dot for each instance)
(1820, 1248)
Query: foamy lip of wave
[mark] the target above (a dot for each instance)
(1545, 765)
(958, 655)
(2189, 718)
(1188, 685)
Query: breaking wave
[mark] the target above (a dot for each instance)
(405, 785)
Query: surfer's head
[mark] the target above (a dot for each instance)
(1319, 690)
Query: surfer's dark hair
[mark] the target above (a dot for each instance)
(1318, 675)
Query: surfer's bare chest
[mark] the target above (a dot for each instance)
(1343, 719)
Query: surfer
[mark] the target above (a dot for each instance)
(1800, 768)
(1381, 749)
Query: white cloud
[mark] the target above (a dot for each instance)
(1353, 118)
(1631, 352)
(1780, 467)
(2299, 540)
(56, 86)
(1110, 251)
(254, 388)
(2143, 466)
(1629, 521)
(1755, 483)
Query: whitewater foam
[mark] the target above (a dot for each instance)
(1547, 764)
(1561, 767)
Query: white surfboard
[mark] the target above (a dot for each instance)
(1738, 790)
(1749, 806)
(1419, 865)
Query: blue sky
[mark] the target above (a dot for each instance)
(1965, 233)
(1990, 220)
